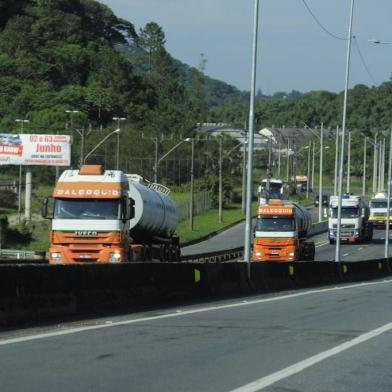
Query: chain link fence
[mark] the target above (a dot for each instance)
(201, 203)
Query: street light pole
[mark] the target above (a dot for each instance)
(375, 162)
(243, 201)
(335, 183)
(188, 139)
(364, 168)
(340, 191)
(321, 172)
(220, 202)
(389, 198)
(249, 182)
(308, 173)
(348, 163)
(313, 153)
(117, 131)
(118, 119)
(192, 185)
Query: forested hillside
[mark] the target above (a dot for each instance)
(59, 55)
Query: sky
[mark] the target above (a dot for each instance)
(294, 52)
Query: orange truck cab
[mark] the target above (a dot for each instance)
(280, 233)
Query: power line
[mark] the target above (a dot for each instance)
(320, 24)
(341, 39)
(363, 60)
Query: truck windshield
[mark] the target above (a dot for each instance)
(347, 212)
(274, 190)
(378, 204)
(87, 209)
(275, 224)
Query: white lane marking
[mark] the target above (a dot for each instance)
(298, 367)
(360, 248)
(183, 313)
(346, 254)
(320, 244)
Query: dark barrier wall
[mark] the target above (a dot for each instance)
(31, 293)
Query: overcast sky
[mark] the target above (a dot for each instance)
(294, 52)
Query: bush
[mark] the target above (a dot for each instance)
(7, 198)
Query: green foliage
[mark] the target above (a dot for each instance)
(7, 198)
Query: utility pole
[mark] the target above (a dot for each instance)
(279, 160)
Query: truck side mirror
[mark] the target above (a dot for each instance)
(45, 213)
(363, 212)
(325, 212)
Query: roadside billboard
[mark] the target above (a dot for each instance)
(29, 149)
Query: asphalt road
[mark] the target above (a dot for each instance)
(350, 252)
(321, 340)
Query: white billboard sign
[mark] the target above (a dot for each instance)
(28, 149)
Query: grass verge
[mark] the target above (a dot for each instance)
(208, 223)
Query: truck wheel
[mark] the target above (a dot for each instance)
(331, 242)
(162, 253)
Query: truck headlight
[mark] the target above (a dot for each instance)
(115, 257)
(291, 254)
(56, 257)
(259, 253)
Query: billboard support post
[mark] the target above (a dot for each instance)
(28, 193)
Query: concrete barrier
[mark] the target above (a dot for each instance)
(318, 228)
(31, 293)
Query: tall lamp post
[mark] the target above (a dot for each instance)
(248, 222)
(364, 168)
(389, 198)
(188, 139)
(118, 119)
(117, 131)
(321, 137)
(335, 182)
(340, 190)
(21, 122)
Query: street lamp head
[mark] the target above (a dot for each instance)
(119, 118)
(374, 40)
(22, 120)
(188, 139)
(118, 130)
(72, 111)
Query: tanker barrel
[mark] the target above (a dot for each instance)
(156, 214)
(304, 220)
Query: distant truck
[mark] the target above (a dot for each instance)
(302, 183)
(378, 211)
(110, 217)
(277, 190)
(355, 223)
(281, 232)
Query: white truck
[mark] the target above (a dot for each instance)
(378, 211)
(355, 225)
(277, 190)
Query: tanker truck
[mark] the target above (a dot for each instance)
(281, 231)
(110, 217)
